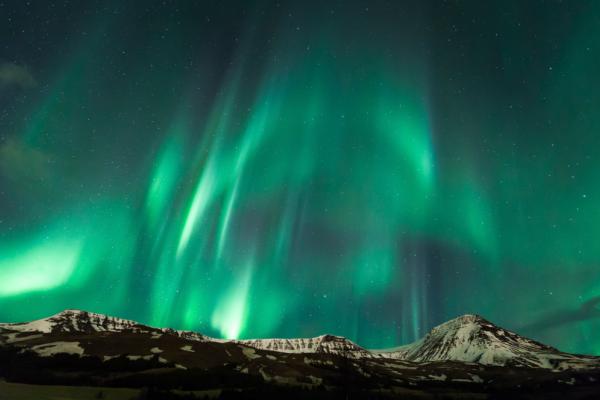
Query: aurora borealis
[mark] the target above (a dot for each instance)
(284, 169)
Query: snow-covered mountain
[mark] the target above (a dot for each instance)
(468, 338)
(328, 344)
(117, 351)
(465, 355)
(471, 338)
(78, 321)
(75, 321)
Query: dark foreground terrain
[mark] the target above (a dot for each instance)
(78, 355)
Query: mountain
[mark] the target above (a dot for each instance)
(78, 321)
(471, 338)
(324, 344)
(468, 338)
(465, 356)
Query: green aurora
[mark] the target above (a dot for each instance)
(259, 169)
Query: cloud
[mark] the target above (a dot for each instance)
(16, 75)
(20, 162)
(588, 310)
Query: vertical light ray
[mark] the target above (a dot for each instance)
(228, 166)
(164, 177)
(200, 200)
(230, 314)
(404, 121)
(226, 219)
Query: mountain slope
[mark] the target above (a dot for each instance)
(325, 344)
(471, 338)
(467, 355)
(78, 321)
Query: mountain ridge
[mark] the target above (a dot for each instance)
(466, 355)
(468, 338)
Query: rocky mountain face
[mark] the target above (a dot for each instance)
(78, 321)
(324, 344)
(470, 338)
(465, 355)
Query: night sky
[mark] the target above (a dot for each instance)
(284, 169)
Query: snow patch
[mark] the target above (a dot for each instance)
(137, 357)
(250, 353)
(13, 338)
(41, 325)
(441, 377)
(50, 349)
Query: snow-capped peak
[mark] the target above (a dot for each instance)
(79, 321)
(471, 338)
(74, 321)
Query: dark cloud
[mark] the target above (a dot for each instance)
(16, 75)
(588, 310)
(20, 162)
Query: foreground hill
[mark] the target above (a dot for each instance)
(464, 356)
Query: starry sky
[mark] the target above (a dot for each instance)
(283, 169)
